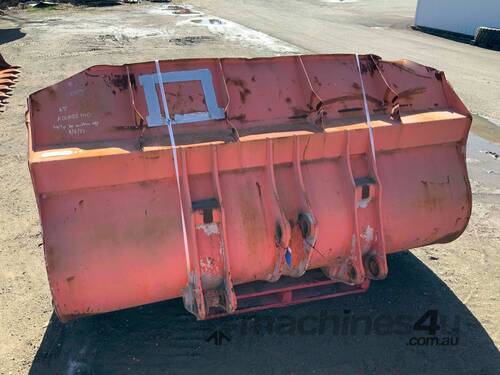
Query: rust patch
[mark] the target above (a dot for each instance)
(87, 73)
(411, 92)
(133, 82)
(426, 183)
(450, 237)
(127, 127)
(435, 193)
(347, 98)
(344, 110)
(368, 67)
(242, 88)
(240, 117)
(120, 81)
(298, 113)
(401, 66)
(150, 155)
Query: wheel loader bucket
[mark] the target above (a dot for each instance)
(8, 77)
(242, 184)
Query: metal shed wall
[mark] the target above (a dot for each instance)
(459, 16)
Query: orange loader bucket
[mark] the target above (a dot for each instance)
(242, 184)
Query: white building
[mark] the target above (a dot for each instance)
(458, 16)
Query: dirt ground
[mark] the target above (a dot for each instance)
(460, 280)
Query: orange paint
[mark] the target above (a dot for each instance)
(275, 157)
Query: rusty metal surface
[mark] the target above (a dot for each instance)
(287, 291)
(8, 77)
(282, 165)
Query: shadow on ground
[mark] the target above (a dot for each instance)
(10, 35)
(321, 337)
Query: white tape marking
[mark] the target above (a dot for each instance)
(176, 164)
(365, 105)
